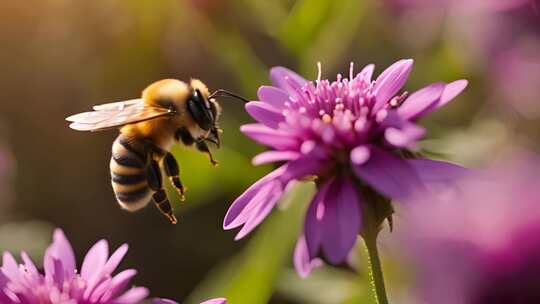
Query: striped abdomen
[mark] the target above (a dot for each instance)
(128, 173)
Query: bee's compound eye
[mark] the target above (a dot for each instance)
(202, 116)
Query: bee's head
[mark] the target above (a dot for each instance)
(204, 110)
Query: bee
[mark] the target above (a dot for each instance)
(169, 111)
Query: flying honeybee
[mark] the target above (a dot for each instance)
(168, 111)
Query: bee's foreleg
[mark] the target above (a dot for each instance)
(203, 147)
(160, 198)
(173, 171)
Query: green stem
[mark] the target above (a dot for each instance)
(375, 269)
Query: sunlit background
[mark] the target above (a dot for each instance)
(59, 57)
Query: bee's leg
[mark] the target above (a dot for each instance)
(160, 198)
(203, 147)
(171, 169)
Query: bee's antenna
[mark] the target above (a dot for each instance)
(225, 93)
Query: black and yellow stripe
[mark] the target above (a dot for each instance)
(128, 175)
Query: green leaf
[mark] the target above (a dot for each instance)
(250, 276)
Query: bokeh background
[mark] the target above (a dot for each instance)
(59, 57)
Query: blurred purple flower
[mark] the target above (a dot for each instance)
(348, 133)
(501, 37)
(481, 244)
(61, 283)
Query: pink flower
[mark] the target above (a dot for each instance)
(61, 283)
(349, 133)
(481, 243)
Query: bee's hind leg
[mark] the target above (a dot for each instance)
(160, 198)
(203, 147)
(173, 171)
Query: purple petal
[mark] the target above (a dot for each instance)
(302, 261)
(29, 264)
(404, 137)
(95, 259)
(120, 281)
(452, 90)
(265, 113)
(10, 267)
(301, 167)
(273, 96)
(115, 259)
(341, 220)
(367, 73)
(390, 175)
(274, 156)
(163, 301)
(215, 301)
(257, 210)
(242, 201)
(430, 170)
(132, 296)
(313, 221)
(93, 264)
(286, 79)
(421, 100)
(276, 139)
(63, 251)
(390, 82)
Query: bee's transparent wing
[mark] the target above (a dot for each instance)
(116, 114)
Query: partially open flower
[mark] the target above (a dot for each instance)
(352, 134)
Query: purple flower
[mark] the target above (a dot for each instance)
(480, 244)
(350, 134)
(61, 283)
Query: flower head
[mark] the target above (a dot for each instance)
(349, 133)
(480, 244)
(61, 283)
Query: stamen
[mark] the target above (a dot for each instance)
(351, 71)
(319, 73)
(326, 118)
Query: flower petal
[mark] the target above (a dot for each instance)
(404, 137)
(420, 101)
(265, 113)
(389, 175)
(452, 90)
(119, 282)
(273, 96)
(274, 156)
(430, 170)
(163, 301)
(132, 296)
(95, 259)
(367, 73)
(245, 198)
(301, 167)
(276, 139)
(313, 221)
(259, 207)
(302, 261)
(286, 79)
(390, 82)
(215, 301)
(115, 259)
(341, 220)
